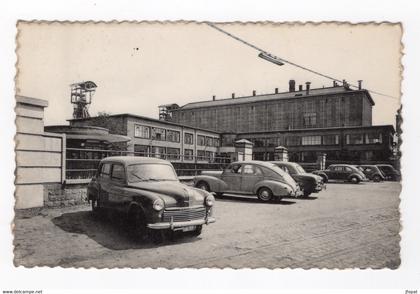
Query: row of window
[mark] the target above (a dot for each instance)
(171, 153)
(160, 134)
(350, 139)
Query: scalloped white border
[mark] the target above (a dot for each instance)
(406, 277)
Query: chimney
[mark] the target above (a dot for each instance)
(214, 97)
(334, 84)
(300, 87)
(360, 84)
(276, 90)
(233, 95)
(292, 84)
(308, 87)
(254, 92)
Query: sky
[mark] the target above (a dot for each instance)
(139, 66)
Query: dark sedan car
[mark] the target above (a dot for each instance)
(309, 183)
(342, 172)
(372, 172)
(390, 173)
(148, 191)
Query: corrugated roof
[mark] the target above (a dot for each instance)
(266, 97)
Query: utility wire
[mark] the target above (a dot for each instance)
(290, 62)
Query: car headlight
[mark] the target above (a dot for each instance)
(158, 204)
(209, 201)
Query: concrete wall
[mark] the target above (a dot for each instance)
(39, 155)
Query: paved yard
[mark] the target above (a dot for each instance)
(345, 226)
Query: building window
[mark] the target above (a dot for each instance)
(158, 152)
(330, 140)
(172, 153)
(216, 142)
(188, 154)
(311, 140)
(373, 138)
(210, 156)
(201, 140)
(209, 141)
(258, 142)
(189, 138)
(141, 131)
(293, 141)
(141, 150)
(158, 134)
(354, 139)
(201, 155)
(309, 119)
(172, 136)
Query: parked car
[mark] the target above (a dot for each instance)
(309, 183)
(148, 192)
(390, 173)
(372, 172)
(260, 178)
(343, 172)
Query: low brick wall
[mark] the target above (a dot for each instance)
(57, 195)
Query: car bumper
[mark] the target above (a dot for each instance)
(179, 225)
(320, 186)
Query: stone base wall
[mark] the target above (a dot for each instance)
(57, 195)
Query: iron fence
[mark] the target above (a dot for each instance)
(82, 163)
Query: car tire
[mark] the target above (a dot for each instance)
(96, 206)
(306, 194)
(197, 231)
(137, 224)
(219, 194)
(264, 194)
(354, 180)
(376, 178)
(203, 186)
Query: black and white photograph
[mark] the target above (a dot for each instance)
(208, 145)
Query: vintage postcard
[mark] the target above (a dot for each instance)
(208, 145)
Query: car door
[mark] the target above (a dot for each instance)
(104, 183)
(251, 175)
(341, 173)
(232, 177)
(116, 194)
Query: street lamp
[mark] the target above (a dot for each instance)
(270, 58)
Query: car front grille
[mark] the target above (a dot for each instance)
(182, 215)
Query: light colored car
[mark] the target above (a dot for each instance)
(260, 178)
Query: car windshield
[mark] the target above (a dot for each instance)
(299, 169)
(282, 173)
(150, 172)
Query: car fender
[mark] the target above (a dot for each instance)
(320, 173)
(215, 184)
(278, 188)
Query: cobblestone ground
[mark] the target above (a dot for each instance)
(346, 226)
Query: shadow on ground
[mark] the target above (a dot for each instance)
(110, 231)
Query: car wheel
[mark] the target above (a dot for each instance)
(137, 224)
(264, 194)
(376, 178)
(219, 194)
(96, 206)
(306, 194)
(197, 231)
(354, 180)
(203, 186)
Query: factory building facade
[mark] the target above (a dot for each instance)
(305, 109)
(152, 137)
(336, 121)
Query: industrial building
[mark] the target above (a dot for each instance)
(336, 121)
